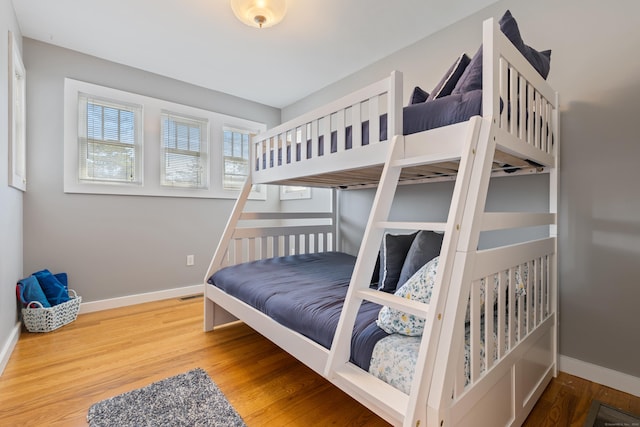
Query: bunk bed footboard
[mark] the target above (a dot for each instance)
(252, 236)
(520, 102)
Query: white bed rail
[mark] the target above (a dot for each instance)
(251, 236)
(519, 101)
(504, 337)
(505, 304)
(263, 240)
(302, 146)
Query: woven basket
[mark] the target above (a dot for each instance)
(47, 319)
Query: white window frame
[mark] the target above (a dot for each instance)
(84, 140)
(17, 117)
(152, 145)
(225, 158)
(199, 155)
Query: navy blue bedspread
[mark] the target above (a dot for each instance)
(305, 293)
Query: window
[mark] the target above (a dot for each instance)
(184, 151)
(236, 158)
(125, 143)
(109, 141)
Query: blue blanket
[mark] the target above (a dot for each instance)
(305, 293)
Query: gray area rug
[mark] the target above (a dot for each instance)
(189, 399)
(603, 415)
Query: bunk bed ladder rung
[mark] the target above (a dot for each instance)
(406, 225)
(386, 299)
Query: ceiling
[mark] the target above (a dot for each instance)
(201, 42)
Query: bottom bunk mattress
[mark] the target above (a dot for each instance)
(305, 293)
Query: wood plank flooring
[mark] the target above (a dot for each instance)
(53, 378)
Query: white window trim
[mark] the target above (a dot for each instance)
(84, 100)
(202, 153)
(152, 145)
(17, 117)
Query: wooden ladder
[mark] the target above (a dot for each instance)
(392, 404)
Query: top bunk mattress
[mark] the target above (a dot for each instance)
(305, 293)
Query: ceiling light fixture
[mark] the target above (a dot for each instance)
(259, 13)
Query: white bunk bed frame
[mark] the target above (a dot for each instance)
(504, 391)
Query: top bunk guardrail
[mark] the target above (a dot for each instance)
(342, 144)
(302, 147)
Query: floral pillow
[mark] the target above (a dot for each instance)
(418, 288)
(520, 290)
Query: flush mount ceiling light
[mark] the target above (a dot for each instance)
(259, 13)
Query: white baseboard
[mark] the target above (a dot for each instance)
(88, 307)
(598, 374)
(9, 345)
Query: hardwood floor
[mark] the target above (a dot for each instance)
(53, 378)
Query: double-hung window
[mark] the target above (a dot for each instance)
(185, 142)
(236, 157)
(109, 141)
(118, 142)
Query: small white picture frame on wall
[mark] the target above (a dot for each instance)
(17, 118)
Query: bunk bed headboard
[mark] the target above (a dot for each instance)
(517, 99)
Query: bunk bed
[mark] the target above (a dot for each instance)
(466, 336)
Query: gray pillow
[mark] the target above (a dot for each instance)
(418, 96)
(425, 247)
(450, 78)
(394, 250)
(471, 79)
(541, 61)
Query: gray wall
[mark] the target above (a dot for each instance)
(594, 67)
(114, 246)
(10, 198)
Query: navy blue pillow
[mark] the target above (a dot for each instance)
(394, 251)
(375, 277)
(425, 247)
(471, 79)
(541, 61)
(450, 78)
(54, 290)
(30, 291)
(418, 95)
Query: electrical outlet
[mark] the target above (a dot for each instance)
(190, 260)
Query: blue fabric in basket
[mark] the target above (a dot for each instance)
(30, 291)
(62, 278)
(55, 291)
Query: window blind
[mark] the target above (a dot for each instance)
(110, 140)
(236, 158)
(184, 151)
